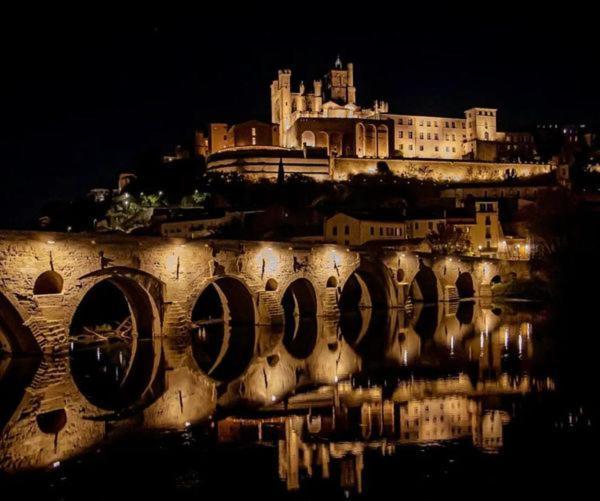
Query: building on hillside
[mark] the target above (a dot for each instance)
(270, 162)
(199, 225)
(252, 133)
(336, 101)
(481, 226)
(358, 229)
(328, 118)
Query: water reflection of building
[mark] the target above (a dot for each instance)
(330, 432)
(409, 379)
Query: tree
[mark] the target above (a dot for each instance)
(449, 239)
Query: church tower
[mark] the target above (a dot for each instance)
(281, 103)
(340, 83)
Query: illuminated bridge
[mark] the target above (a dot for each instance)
(58, 288)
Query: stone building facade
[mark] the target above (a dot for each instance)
(327, 121)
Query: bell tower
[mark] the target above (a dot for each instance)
(281, 103)
(340, 83)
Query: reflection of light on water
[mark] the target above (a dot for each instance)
(520, 345)
(405, 356)
(452, 345)
(98, 354)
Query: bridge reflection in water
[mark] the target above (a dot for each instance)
(321, 390)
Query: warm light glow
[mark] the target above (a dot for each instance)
(268, 261)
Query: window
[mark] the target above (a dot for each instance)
(421, 148)
(421, 136)
(410, 147)
(400, 121)
(410, 135)
(410, 121)
(430, 225)
(401, 134)
(372, 230)
(436, 137)
(428, 123)
(347, 230)
(381, 231)
(421, 123)
(429, 135)
(334, 231)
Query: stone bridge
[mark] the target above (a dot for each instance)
(170, 285)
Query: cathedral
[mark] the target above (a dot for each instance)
(323, 132)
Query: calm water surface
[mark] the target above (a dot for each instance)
(463, 400)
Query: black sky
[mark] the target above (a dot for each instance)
(85, 94)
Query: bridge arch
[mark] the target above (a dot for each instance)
(365, 299)
(15, 337)
(464, 285)
(425, 286)
(223, 331)
(370, 285)
(300, 307)
(114, 349)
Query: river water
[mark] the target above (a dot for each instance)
(461, 400)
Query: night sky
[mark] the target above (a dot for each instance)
(86, 94)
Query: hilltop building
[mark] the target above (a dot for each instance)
(327, 122)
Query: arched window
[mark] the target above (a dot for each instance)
(308, 138)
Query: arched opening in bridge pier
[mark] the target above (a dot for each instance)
(299, 303)
(113, 355)
(364, 289)
(332, 283)
(49, 282)
(223, 329)
(424, 287)
(271, 285)
(496, 279)
(15, 337)
(464, 285)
